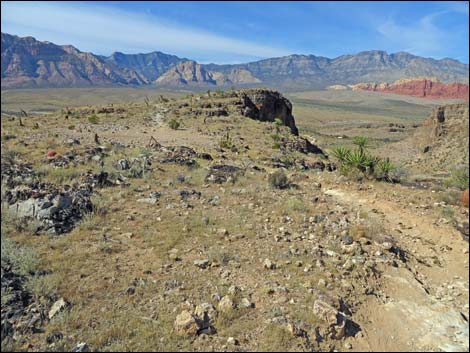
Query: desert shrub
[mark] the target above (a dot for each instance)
(93, 119)
(371, 227)
(362, 142)
(174, 124)
(358, 163)
(295, 204)
(451, 197)
(227, 142)
(448, 213)
(276, 145)
(342, 153)
(384, 169)
(44, 286)
(23, 259)
(71, 127)
(276, 137)
(60, 175)
(459, 178)
(278, 180)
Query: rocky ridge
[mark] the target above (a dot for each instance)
(27, 62)
(419, 87)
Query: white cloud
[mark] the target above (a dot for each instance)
(104, 30)
(420, 38)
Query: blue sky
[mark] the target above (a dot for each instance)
(233, 32)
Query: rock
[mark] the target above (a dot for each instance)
(303, 145)
(464, 198)
(57, 307)
(232, 341)
(267, 105)
(245, 303)
(226, 304)
(123, 164)
(332, 316)
(201, 263)
(223, 173)
(186, 324)
(51, 154)
(54, 337)
(347, 239)
(268, 264)
(81, 347)
(425, 87)
(206, 315)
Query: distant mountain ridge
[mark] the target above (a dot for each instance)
(27, 62)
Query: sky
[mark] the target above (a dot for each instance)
(236, 32)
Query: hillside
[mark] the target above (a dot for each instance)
(439, 145)
(27, 62)
(200, 223)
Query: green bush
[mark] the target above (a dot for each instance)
(278, 180)
(360, 163)
(23, 259)
(342, 153)
(174, 124)
(227, 142)
(93, 119)
(361, 142)
(459, 178)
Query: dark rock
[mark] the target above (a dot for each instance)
(300, 144)
(54, 337)
(267, 105)
(81, 347)
(222, 173)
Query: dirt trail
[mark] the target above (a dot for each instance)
(423, 307)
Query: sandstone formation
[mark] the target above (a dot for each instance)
(419, 87)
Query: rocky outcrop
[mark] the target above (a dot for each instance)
(188, 72)
(192, 73)
(442, 140)
(267, 105)
(419, 87)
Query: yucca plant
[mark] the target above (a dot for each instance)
(362, 142)
(342, 153)
(384, 169)
(358, 159)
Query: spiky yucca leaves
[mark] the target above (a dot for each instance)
(362, 142)
(359, 160)
(384, 169)
(342, 153)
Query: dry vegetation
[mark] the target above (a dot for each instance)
(127, 269)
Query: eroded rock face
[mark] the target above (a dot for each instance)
(267, 105)
(419, 87)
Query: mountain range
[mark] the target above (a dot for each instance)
(27, 62)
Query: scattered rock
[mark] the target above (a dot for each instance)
(201, 263)
(81, 347)
(223, 173)
(226, 304)
(57, 307)
(186, 324)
